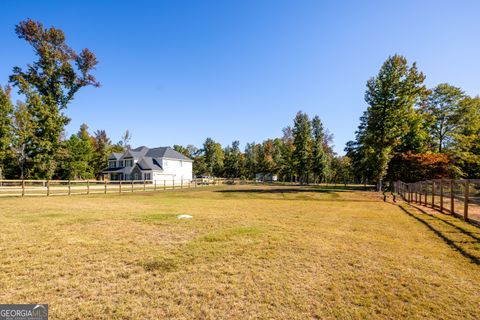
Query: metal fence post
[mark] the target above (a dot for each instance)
(69, 188)
(465, 197)
(23, 188)
(88, 186)
(120, 186)
(105, 191)
(48, 188)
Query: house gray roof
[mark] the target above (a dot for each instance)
(126, 170)
(147, 158)
(115, 156)
(166, 152)
(147, 163)
(161, 152)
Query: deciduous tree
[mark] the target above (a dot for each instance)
(49, 85)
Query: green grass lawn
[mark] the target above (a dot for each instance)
(249, 252)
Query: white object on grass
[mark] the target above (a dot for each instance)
(184, 216)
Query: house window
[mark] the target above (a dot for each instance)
(120, 163)
(111, 164)
(147, 176)
(128, 163)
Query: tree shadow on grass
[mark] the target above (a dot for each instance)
(464, 237)
(474, 235)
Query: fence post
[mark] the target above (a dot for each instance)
(441, 195)
(181, 183)
(120, 187)
(48, 188)
(420, 190)
(69, 188)
(465, 197)
(173, 183)
(414, 193)
(417, 189)
(132, 185)
(144, 184)
(23, 188)
(164, 185)
(105, 181)
(154, 185)
(433, 194)
(426, 194)
(452, 198)
(88, 186)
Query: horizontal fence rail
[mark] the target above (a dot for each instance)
(457, 197)
(23, 188)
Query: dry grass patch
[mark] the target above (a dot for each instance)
(254, 252)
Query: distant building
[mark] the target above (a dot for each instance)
(156, 164)
(266, 177)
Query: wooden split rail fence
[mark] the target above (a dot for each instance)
(72, 187)
(457, 197)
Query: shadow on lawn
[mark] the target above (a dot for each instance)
(475, 235)
(464, 237)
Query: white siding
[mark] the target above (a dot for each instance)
(174, 169)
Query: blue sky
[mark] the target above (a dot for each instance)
(176, 72)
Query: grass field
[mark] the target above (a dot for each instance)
(249, 252)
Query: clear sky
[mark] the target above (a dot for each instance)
(176, 72)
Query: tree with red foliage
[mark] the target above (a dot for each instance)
(411, 167)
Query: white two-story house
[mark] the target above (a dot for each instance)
(155, 164)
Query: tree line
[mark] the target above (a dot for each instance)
(302, 154)
(410, 132)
